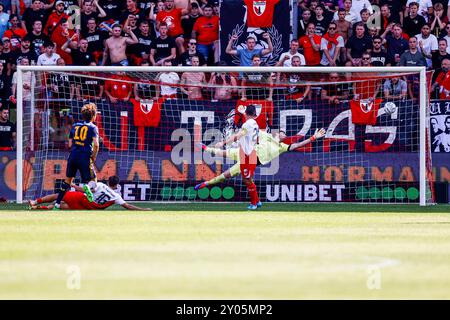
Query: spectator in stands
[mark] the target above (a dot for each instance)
(257, 83)
(286, 57)
(295, 90)
(115, 46)
(428, 43)
(5, 86)
(80, 56)
(366, 59)
(96, 39)
(166, 79)
(4, 18)
(6, 55)
(28, 80)
(61, 85)
(57, 17)
(119, 88)
(143, 88)
(334, 92)
(224, 85)
(188, 22)
(320, 21)
(357, 45)
(303, 22)
(446, 35)
(37, 37)
(216, 8)
(206, 31)
(32, 14)
(24, 52)
(89, 88)
(131, 21)
(311, 46)
(412, 57)
(395, 89)
(424, 7)
(344, 27)
(442, 82)
(245, 55)
(62, 34)
(131, 9)
(163, 48)
(395, 43)
(141, 50)
(7, 130)
(49, 57)
(331, 45)
(387, 18)
(171, 16)
(358, 5)
(364, 16)
(378, 54)
(440, 55)
(438, 20)
(350, 15)
(185, 58)
(192, 82)
(91, 9)
(414, 22)
(113, 10)
(15, 33)
(395, 8)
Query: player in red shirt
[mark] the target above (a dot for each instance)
(260, 13)
(171, 16)
(206, 31)
(311, 46)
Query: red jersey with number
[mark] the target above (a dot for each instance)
(173, 20)
(365, 111)
(260, 13)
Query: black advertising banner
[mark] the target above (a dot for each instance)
(233, 18)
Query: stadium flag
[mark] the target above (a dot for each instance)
(260, 13)
(365, 111)
(147, 113)
(264, 111)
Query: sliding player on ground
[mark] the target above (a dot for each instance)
(268, 148)
(84, 145)
(104, 197)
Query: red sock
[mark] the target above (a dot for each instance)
(254, 199)
(42, 208)
(39, 200)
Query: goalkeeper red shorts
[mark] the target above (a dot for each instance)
(248, 163)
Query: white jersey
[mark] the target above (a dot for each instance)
(250, 139)
(104, 195)
(45, 60)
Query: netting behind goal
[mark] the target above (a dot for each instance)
(151, 122)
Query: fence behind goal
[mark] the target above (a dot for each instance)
(376, 146)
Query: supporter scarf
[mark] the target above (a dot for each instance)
(331, 39)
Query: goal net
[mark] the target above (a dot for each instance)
(152, 120)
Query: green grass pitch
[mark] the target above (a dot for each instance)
(222, 251)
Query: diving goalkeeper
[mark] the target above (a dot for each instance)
(268, 148)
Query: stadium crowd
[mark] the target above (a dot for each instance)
(186, 32)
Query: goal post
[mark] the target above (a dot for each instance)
(33, 160)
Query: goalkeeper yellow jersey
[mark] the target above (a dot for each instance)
(269, 147)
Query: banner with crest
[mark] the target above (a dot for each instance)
(233, 21)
